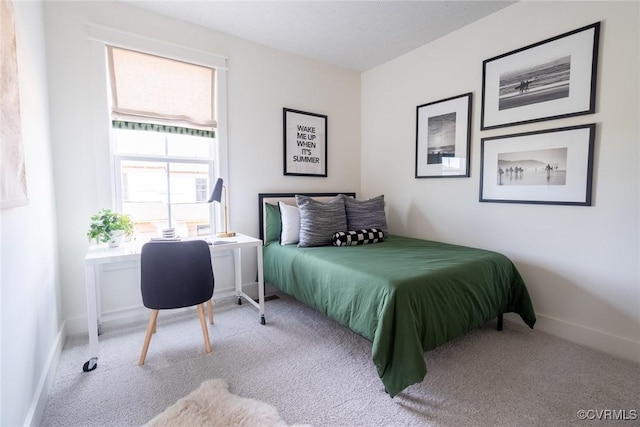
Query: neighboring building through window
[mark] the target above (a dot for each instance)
(163, 177)
(202, 189)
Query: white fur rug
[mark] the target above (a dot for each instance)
(211, 404)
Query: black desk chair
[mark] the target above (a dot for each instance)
(175, 275)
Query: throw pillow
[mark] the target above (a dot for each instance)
(272, 223)
(290, 219)
(366, 214)
(319, 220)
(357, 237)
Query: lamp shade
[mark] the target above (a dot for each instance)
(216, 194)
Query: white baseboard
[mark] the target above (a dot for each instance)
(39, 402)
(617, 346)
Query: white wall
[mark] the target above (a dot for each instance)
(581, 264)
(30, 314)
(261, 81)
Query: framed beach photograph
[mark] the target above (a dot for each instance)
(305, 143)
(443, 138)
(553, 166)
(548, 80)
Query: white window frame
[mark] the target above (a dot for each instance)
(126, 40)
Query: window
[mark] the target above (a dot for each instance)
(164, 141)
(202, 187)
(161, 187)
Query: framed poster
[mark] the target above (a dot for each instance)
(547, 80)
(553, 166)
(443, 138)
(305, 143)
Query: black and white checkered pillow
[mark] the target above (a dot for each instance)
(357, 237)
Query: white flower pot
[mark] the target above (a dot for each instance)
(117, 237)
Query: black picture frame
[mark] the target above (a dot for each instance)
(548, 80)
(552, 166)
(305, 143)
(443, 138)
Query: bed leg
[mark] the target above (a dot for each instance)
(500, 319)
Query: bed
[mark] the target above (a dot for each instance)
(405, 295)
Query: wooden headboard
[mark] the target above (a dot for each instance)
(290, 199)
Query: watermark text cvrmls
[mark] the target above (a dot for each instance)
(608, 414)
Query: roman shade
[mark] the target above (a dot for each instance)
(152, 89)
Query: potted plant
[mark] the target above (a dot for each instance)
(110, 227)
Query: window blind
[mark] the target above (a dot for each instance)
(151, 89)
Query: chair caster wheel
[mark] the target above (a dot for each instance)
(262, 321)
(90, 365)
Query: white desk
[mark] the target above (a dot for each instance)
(98, 256)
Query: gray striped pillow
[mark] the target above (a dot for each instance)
(320, 220)
(364, 214)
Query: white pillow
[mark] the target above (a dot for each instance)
(290, 218)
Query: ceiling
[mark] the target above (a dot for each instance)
(357, 35)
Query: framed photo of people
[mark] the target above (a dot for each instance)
(547, 80)
(553, 166)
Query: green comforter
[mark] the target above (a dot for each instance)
(405, 295)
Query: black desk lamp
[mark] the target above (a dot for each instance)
(218, 194)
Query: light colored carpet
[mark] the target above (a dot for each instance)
(212, 405)
(314, 371)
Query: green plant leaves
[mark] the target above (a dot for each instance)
(105, 222)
